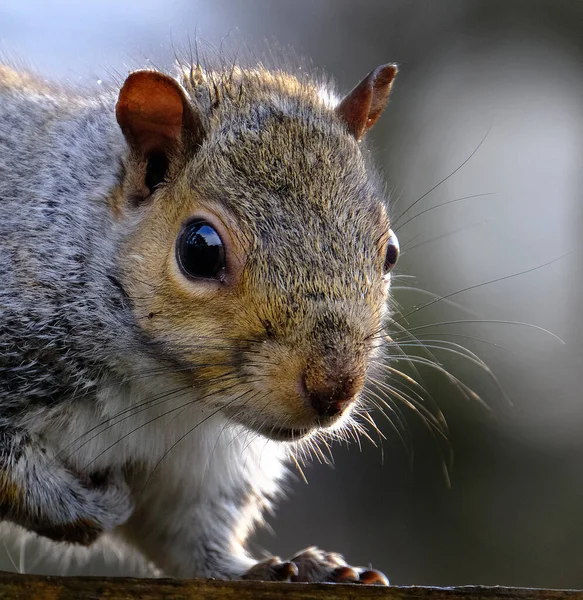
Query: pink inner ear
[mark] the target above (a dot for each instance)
(150, 110)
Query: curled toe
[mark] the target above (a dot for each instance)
(285, 571)
(373, 577)
(272, 569)
(345, 574)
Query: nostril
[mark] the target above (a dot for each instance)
(329, 399)
(324, 405)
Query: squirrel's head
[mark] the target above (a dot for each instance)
(259, 249)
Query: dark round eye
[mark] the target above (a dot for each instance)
(200, 251)
(392, 252)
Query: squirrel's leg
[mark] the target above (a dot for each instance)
(205, 537)
(195, 523)
(187, 533)
(39, 493)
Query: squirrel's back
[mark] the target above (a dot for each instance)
(60, 156)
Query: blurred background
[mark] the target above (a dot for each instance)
(499, 83)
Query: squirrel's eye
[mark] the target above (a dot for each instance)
(200, 251)
(392, 252)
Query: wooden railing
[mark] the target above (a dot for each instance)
(37, 587)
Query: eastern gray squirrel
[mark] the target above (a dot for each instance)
(194, 272)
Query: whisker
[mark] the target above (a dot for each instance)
(465, 162)
(371, 421)
(123, 437)
(417, 407)
(106, 421)
(489, 321)
(298, 467)
(479, 285)
(437, 296)
(133, 411)
(422, 339)
(469, 393)
(408, 248)
(440, 205)
(401, 426)
(418, 401)
(427, 351)
(399, 350)
(462, 351)
(401, 430)
(182, 437)
(184, 369)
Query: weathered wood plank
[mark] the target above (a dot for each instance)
(36, 587)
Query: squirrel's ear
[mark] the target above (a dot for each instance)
(155, 114)
(360, 108)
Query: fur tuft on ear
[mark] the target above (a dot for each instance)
(360, 108)
(154, 112)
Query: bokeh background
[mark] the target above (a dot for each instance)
(499, 82)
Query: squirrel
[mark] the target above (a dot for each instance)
(194, 273)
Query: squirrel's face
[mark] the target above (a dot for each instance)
(259, 267)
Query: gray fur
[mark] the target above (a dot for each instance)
(77, 356)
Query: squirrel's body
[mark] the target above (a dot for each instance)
(137, 400)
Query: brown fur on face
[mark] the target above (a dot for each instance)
(305, 229)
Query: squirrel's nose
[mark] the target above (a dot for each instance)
(331, 396)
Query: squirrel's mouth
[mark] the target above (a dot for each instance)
(294, 434)
(285, 434)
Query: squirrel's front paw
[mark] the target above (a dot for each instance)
(111, 498)
(314, 565)
(78, 512)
